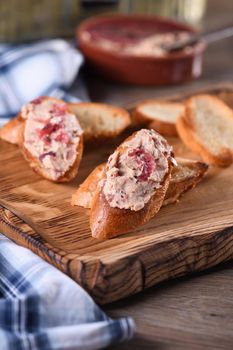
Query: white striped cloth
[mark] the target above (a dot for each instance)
(43, 309)
(28, 71)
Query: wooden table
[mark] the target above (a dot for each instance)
(194, 312)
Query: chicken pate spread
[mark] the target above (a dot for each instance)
(51, 134)
(134, 174)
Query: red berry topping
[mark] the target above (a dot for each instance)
(145, 160)
(58, 110)
(62, 137)
(37, 101)
(48, 129)
(46, 132)
(50, 154)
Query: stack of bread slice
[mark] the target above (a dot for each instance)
(203, 122)
(184, 176)
(207, 128)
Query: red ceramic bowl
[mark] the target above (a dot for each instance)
(127, 68)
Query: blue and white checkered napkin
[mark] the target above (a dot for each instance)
(46, 68)
(40, 307)
(43, 309)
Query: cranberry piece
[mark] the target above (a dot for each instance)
(47, 140)
(135, 152)
(51, 154)
(146, 161)
(58, 110)
(37, 101)
(62, 137)
(48, 129)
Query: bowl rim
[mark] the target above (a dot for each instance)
(86, 24)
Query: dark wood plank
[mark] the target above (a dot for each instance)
(196, 313)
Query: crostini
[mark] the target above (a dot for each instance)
(84, 195)
(186, 175)
(51, 139)
(207, 128)
(134, 184)
(100, 120)
(11, 131)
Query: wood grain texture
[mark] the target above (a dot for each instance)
(190, 236)
(194, 314)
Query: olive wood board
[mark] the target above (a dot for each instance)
(191, 235)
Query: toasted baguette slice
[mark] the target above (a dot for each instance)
(126, 198)
(55, 124)
(84, 195)
(99, 120)
(184, 176)
(11, 131)
(207, 128)
(160, 116)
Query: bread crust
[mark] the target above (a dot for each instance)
(166, 128)
(107, 222)
(83, 196)
(178, 187)
(11, 131)
(90, 135)
(35, 164)
(187, 131)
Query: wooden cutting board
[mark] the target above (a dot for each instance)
(192, 235)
